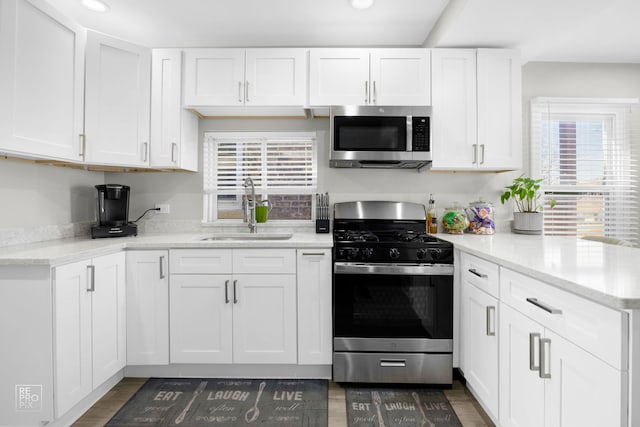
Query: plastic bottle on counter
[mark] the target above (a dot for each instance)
(432, 216)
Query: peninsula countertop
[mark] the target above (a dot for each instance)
(608, 274)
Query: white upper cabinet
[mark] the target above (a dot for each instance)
(499, 108)
(369, 77)
(476, 117)
(118, 92)
(41, 81)
(239, 77)
(174, 130)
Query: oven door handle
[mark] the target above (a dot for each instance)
(393, 269)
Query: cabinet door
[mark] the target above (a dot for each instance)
(72, 335)
(201, 318)
(174, 130)
(264, 319)
(147, 308)
(582, 390)
(454, 125)
(275, 77)
(108, 317)
(214, 77)
(400, 77)
(499, 109)
(339, 77)
(314, 307)
(41, 81)
(480, 345)
(118, 93)
(521, 388)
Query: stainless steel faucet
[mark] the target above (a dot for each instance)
(250, 205)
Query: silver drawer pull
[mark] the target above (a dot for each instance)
(392, 363)
(545, 355)
(235, 291)
(533, 337)
(491, 322)
(312, 254)
(544, 306)
(91, 269)
(226, 292)
(475, 273)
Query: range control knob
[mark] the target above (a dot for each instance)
(394, 253)
(366, 253)
(436, 253)
(422, 253)
(352, 253)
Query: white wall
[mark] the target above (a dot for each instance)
(36, 196)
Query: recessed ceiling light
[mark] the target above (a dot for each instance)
(361, 4)
(96, 5)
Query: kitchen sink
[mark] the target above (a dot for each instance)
(245, 236)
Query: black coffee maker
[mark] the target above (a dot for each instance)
(113, 212)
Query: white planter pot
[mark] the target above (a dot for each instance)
(528, 222)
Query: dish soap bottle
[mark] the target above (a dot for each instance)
(432, 217)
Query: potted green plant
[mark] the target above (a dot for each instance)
(524, 191)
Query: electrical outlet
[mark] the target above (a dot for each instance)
(164, 208)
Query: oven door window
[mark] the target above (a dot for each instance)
(370, 133)
(393, 306)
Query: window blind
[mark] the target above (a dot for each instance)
(278, 163)
(587, 153)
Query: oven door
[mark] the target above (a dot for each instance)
(393, 308)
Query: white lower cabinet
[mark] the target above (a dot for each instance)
(147, 307)
(89, 327)
(545, 378)
(315, 330)
(233, 309)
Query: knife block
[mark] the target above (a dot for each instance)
(322, 225)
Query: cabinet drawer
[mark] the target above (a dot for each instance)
(481, 273)
(261, 261)
(598, 329)
(200, 261)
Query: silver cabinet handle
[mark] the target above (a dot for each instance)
(475, 273)
(481, 154)
(162, 275)
(312, 254)
(91, 286)
(81, 145)
(474, 147)
(145, 151)
(533, 337)
(392, 363)
(491, 321)
(545, 353)
(544, 306)
(366, 92)
(226, 292)
(374, 92)
(246, 91)
(235, 292)
(239, 91)
(174, 146)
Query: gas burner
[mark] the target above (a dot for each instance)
(355, 236)
(412, 236)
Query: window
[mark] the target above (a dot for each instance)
(584, 150)
(283, 167)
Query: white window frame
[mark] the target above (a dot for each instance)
(620, 129)
(210, 195)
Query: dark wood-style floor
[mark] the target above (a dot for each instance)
(466, 407)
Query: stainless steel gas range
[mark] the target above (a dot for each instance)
(392, 296)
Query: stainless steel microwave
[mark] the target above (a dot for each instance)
(380, 137)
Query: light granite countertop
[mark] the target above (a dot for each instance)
(57, 252)
(604, 273)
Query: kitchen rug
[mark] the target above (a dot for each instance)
(401, 407)
(188, 402)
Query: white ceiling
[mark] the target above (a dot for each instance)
(544, 30)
